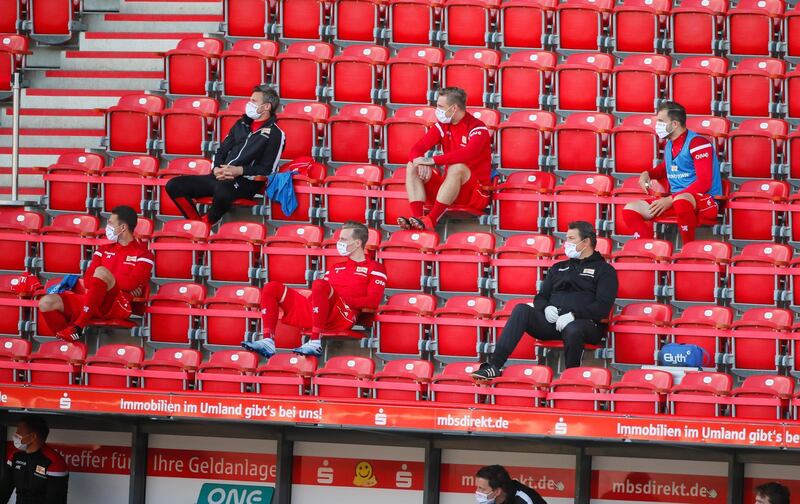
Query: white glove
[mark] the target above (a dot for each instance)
(551, 314)
(564, 320)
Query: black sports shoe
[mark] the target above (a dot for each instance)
(487, 372)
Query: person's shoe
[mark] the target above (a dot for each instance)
(403, 223)
(487, 372)
(264, 347)
(423, 223)
(312, 349)
(70, 334)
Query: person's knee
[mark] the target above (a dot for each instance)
(49, 302)
(273, 290)
(634, 205)
(105, 275)
(459, 171)
(521, 311)
(174, 188)
(320, 287)
(573, 334)
(686, 197)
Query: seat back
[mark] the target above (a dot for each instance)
(424, 303)
(362, 365)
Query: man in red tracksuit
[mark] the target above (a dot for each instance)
(335, 302)
(119, 272)
(467, 158)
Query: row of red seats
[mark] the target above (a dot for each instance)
(13, 51)
(48, 21)
(752, 27)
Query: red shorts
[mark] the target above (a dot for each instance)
(470, 190)
(114, 306)
(705, 208)
(297, 312)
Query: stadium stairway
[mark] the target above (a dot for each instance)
(117, 55)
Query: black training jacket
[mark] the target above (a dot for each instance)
(257, 152)
(586, 287)
(39, 478)
(522, 494)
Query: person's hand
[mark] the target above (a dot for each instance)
(564, 320)
(235, 171)
(660, 206)
(221, 172)
(424, 172)
(424, 161)
(551, 314)
(644, 181)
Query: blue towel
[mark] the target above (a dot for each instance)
(281, 189)
(66, 284)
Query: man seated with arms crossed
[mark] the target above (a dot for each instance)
(118, 273)
(576, 295)
(692, 169)
(336, 300)
(467, 158)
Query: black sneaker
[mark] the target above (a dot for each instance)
(487, 372)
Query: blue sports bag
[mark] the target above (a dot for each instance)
(676, 354)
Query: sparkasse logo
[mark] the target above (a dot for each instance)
(221, 493)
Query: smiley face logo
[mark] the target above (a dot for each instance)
(364, 475)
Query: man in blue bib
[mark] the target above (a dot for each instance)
(692, 169)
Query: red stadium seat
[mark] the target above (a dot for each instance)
(394, 201)
(354, 133)
(455, 385)
(522, 279)
(343, 377)
(763, 397)
(526, 24)
(13, 316)
(525, 351)
(226, 372)
(191, 67)
(290, 337)
(176, 167)
(469, 23)
(715, 129)
(522, 385)
(512, 208)
(698, 83)
(638, 348)
(53, 21)
(749, 219)
(414, 21)
(589, 186)
(286, 375)
(247, 64)
(228, 117)
(754, 27)
(583, 81)
(791, 34)
(753, 287)
(403, 130)
(634, 145)
(759, 354)
(129, 167)
(580, 388)
(413, 74)
(186, 127)
(692, 286)
(303, 67)
(178, 259)
(303, 125)
(582, 24)
(455, 273)
(358, 21)
(582, 142)
(56, 363)
(227, 265)
(170, 369)
(755, 149)
(286, 265)
(624, 194)
(303, 19)
(453, 341)
(641, 391)
(307, 174)
(247, 18)
(698, 26)
(524, 140)
(399, 329)
(19, 255)
(635, 273)
(640, 25)
(407, 256)
(173, 329)
(68, 257)
(358, 207)
(225, 330)
(641, 82)
(526, 76)
(474, 71)
(13, 52)
(709, 318)
(111, 366)
(357, 73)
(402, 380)
(14, 353)
(11, 16)
(700, 394)
(330, 260)
(72, 196)
(755, 87)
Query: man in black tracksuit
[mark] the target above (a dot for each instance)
(575, 296)
(252, 149)
(36, 471)
(493, 485)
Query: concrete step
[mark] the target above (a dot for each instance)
(175, 7)
(54, 118)
(154, 23)
(101, 79)
(86, 99)
(28, 179)
(54, 138)
(34, 156)
(133, 41)
(44, 56)
(112, 60)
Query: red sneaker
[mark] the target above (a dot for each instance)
(70, 334)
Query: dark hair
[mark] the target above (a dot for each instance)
(675, 111)
(126, 215)
(37, 425)
(270, 96)
(455, 96)
(774, 491)
(585, 230)
(497, 476)
(360, 231)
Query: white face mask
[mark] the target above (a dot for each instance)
(441, 116)
(341, 247)
(18, 444)
(110, 234)
(482, 498)
(661, 130)
(571, 250)
(251, 110)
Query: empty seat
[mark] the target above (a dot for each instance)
(580, 388)
(698, 26)
(11, 12)
(520, 203)
(175, 249)
(413, 74)
(113, 366)
(700, 394)
(698, 83)
(126, 192)
(519, 264)
(462, 261)
(164, 321)
(759, 354)
(227, 118)
(13, 52)
(227, 372)
(291, 253)
(247, 64)
(469, 23)
(474, 71)
(14, 354)
(63, 192)
(357, 179)
(526, 76)
(247, 18)
(522, 385)
(67, 256)
(226, 329)
(754, 277)
(525, 24)
(354, 133)
(186, 126)
(756, 148)
(286, 375)
(640, 83)
(303, 19)
(19, 246)
(715, 129)
(357, 73)
(590, 204)
(403, 130)
(455, 385)
(710, 321)
(524, 140)
(407, 256)
(640, 25)
(762, 397)
(637, 268)
(630, 190)
(394, 199)
(453, 340)
(303, 68)
(583, 81)
(53, 21)
(56, 363)
(634, 146)
(191, 67)
(749, 213)
(755, 87)
(582, 24)
(401, 328)
(234, 250)
(754, 27)
(358, 21)
(303, 125)
(402, 380)
(698, 271)
(636, 333)
(170, 369)
(177, 167)
(343, 377)
(582, 142)
(414, 21)
(641, 391)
